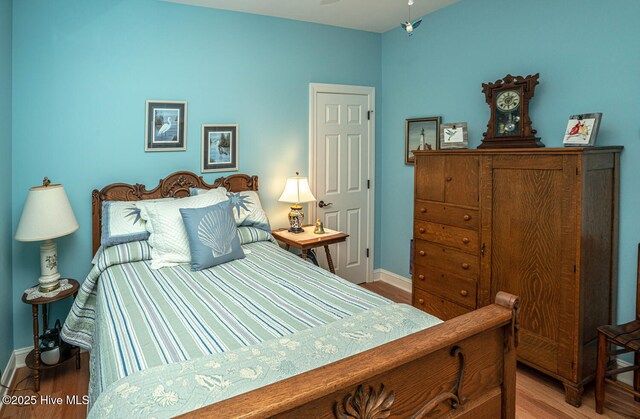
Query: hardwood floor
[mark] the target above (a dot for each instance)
(63, 381)
(537, 396)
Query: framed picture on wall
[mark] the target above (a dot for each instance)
(219, 148)
(453, 135)
(165, 125)
(582, 130)
(421, 134)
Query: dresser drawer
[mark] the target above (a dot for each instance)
(450, 260)
(446, 214)
(444, 284)
(460, 238)
(439, 307)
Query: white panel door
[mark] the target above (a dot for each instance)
(341, 175)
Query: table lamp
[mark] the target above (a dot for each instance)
(47, 215)
(297, 192)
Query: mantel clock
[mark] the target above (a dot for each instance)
(509, 125)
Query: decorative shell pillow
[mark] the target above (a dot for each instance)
(247, 209)
(168, 237)
(213, 235)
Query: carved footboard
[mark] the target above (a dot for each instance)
(464, 367)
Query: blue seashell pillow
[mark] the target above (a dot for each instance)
(213, 235)
(247, 209)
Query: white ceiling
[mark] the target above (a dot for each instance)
(368, 15)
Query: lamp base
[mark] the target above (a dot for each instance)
(296, 219)
(50, 278)
(49, 288)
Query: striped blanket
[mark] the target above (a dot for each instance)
(133, 318)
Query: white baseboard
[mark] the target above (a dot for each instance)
(16, 360)
(7, 375)
(392, 279)
(626, 377)
(21, 356)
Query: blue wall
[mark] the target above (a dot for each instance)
(82, 71)
(6, 300)
(588, 56)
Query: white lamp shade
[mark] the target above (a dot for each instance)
(47, 214)
(297, 191)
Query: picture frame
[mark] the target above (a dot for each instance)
(454, 136)
(165, 125)
(414, 129)
(219, 148)
(582, 130)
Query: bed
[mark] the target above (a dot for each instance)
(272, 335)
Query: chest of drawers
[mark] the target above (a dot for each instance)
(537, 223)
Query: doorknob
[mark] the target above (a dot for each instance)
(322, 204)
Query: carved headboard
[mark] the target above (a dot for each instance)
(176, 185)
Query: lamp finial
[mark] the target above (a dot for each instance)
(46, 181)
(297, 173)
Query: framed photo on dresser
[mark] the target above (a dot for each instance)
(165, 125)
(421, 134)
(219, 148)
(582, 130)
(453, 136)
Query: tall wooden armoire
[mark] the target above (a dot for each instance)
(538, 223)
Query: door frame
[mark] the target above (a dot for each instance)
(370, 92)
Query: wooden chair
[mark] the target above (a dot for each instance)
(626, 336)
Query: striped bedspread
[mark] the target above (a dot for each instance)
(134, 318)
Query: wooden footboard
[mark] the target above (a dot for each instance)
(464, 367)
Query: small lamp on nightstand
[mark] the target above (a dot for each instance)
(47, 215)
(297, 192)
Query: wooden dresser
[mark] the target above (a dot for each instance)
(537, 223)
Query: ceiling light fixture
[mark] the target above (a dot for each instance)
(409, 26)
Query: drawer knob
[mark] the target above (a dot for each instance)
(421, 230)
(421, 277)
(422, 253)
(421, 301)
(464, 293)
(466, 240)
(449, 178)
(465, 266)
(467, 217)
(423, 210)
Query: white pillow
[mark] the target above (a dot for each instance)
(168, 240)
(247, 209)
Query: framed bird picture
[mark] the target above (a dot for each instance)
(582, 130)
(166, 125)
(219, 148)
(453, 135)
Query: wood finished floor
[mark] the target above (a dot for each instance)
(537, 396)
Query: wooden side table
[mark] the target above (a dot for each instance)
(307, 241)
(33, 359)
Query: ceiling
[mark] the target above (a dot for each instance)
(368, 15)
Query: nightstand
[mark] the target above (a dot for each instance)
(33, 359)
(307, 240)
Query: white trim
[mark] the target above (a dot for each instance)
(390, 278)
(370, 92)
(21, 356)
(7, 375)
(626, 377)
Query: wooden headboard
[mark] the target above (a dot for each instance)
(176, 185)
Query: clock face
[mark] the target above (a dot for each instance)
(508, 100)
(508, 115)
